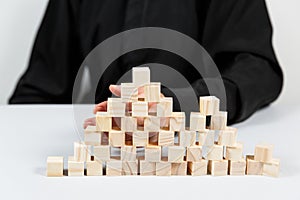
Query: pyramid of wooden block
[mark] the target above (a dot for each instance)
(201, 149)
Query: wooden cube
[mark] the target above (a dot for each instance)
(152, 92)
(176, 154)
(179, 169)
(165, 107)
(129, 92)
(147, 168)
(91, 136)
(130, 167)
(271, 168)
(209, 105)
(140, 109)
(197, 121)
(166, 138)
(218, 121)
(218, 167)
(253, 167)
(81, 151)
(215, 152)
(94, 168)
(140, 76)
(102, 153)
(237, 168)
(263, 153)
(206, 138)
(103, 121)
(55, 166)
(234, 153)
(163, 168)
(228, 137)
(152, 124)
(115, 107)
(114, 167)
(198, 168)
(187, 138)
(128, 153)
(140, 138)
(128, 124)
(75, 168)
(194, 153)
(153, 153)
(116, 138)
(177, 121)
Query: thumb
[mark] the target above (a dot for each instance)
(115, 89)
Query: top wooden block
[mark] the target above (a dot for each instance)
(140, 76)
(209, 105)
(263, 153)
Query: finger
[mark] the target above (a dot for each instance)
(89, 122)
(100, 107)
(115, 89)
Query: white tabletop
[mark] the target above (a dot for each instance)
(29, 134)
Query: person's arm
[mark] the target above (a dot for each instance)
(238, 36)
(55, 58)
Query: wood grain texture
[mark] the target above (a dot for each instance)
(55, 166)
(198, 168)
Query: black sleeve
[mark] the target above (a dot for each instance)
(55, 58)
(238, 35)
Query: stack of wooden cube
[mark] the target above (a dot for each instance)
(142, 127)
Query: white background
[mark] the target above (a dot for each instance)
(19, 21)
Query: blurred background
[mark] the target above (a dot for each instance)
(19, 21)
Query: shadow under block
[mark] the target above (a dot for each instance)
(102, 153)
(153, 153)
(253, 167)
(116, 138)
(115, 107)
(152, 92)
(165, 107)
(209, 105)
(197, 121)
(176, 154)
(237, 168)
(163, 168)
(91, 136)
(263, 153)
(228, 136)
(103, 121)
(81, 151)
(129, 92)
(194, 153)
(177, 121)
(187, 138)
(114, 168)
(271, 168)
(152, 124)
(234, 153)
(215, 153)
(128, 153)
(94, 168)
(128, 124)
(218, 121)
(140, 76)
(139, 109)
(166, 138)
(55, 166)
(179, 169)
(140, 138)
(75, 168)
(147, 168)
(130, 167)
(218, 167)
(198, 168)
